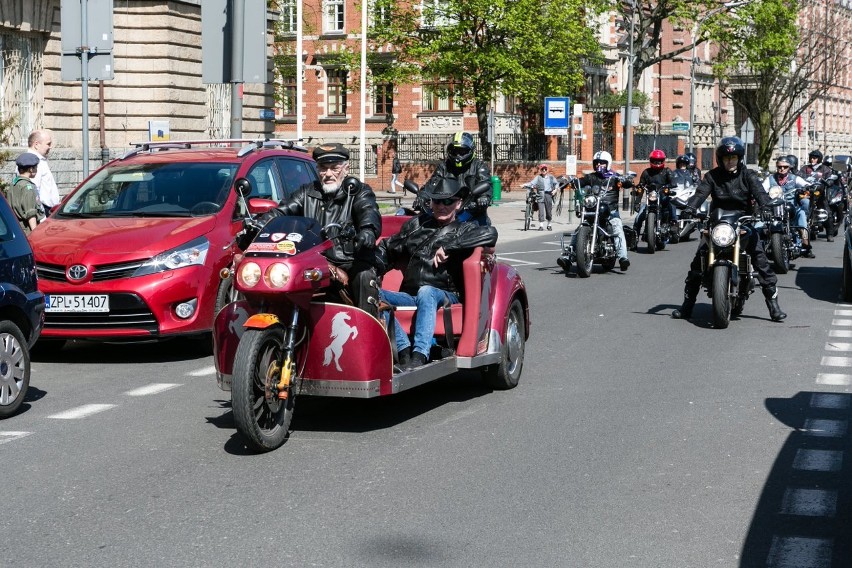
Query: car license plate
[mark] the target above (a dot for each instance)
(76, 302)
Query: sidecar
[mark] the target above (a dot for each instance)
(349, 353)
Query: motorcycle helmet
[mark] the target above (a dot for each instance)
(683, 160)
(794, 163)
(730, 146)
(657, 159)
(601, 161)
(693, 159)
(460, 150)
(828, 160)
(815, 154)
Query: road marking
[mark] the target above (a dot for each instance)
(836, 362)
(841, 322)
(809, 502)
(153, 388)
(203, 372)
(846, 313)
(830, 400)
(825, 428)
(82, 411)
(517, 262)
(818, 460)
(840, 333)
(9, 436)
(799, 552)
(838, 346)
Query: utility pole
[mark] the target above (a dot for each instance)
(628, 110)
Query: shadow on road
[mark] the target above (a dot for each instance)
(178, 349)
(803, 517)
(820, 282)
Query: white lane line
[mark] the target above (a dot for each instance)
(832, 346)
(517, 262)
(203, 372)
(842, 322)
(818, 460)
(830, 400)
(840, 333)
(836, 379)
(836, 362)
(846, 313)
(153, 388)
(799, 552)
(9, 436)
(809, 502)
(82, 411)
(825, 428)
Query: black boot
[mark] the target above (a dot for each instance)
(685, 311)
(404, 356)
(775, 313)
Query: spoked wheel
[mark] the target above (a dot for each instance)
(585, 254)
(780, 255)
(226, 294)
(528, 217)
(721, 296)
(14, 368)
(650, 232)
(262, 413)
(506, 374)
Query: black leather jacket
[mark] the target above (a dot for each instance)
(476, 173)
(731, 191)
(612, 194)
(657, 178)
(417, 242)
(340, 207)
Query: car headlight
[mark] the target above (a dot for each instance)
(590, 202)
(249, 274)
(193, 252)
(723, 235)
(277, 275)
(775, 192)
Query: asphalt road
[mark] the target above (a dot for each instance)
(632, 440)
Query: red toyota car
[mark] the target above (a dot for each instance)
(135, 252)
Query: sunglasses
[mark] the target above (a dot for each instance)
(782, 167)
(446, 202)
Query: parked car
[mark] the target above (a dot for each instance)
(135, 252)
(21, 311)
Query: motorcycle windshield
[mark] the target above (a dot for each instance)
(726, 216)
(286, 235)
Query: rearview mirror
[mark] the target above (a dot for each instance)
(243, 186)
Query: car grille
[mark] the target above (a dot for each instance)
(127, 311)
(56, 272)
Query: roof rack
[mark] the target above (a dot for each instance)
(251, 145)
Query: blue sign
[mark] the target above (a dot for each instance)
(267, 114)
(557, 115)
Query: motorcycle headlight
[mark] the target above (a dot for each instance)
(775, 192)
(277, 275)
(590, 202)
(193, 252)
(249, 274)
(835, 199)
(723, 235)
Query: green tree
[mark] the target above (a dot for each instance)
(774, 66)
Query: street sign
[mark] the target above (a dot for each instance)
(634, 115)
(556, 115)
(267, 114)
(747, 131)
(680, 126)
(217, 41)
(98, 25)
(101, 67)
(571, 165)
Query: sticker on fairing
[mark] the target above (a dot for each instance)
(277, 237)
(295, 237)
(286, 247)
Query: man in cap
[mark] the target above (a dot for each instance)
(22, 195)
(435, 245)
(342, 199)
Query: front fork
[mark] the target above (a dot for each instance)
(288, 364)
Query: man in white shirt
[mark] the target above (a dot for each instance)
(40, 143)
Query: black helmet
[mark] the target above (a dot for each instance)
(682, 159)
(827, 160)
(693, 159)
(460, 150)
(794, 163)
(815, 154)
(730, 146)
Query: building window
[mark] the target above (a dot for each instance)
(21, 86)
(218, 110)
(438, 97)
(333, 16)
(336, 92)
(380, 15)
(288, 16)
(382, 99)
(287, 95)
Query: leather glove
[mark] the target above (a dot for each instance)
(687, 213)
(365, 240)
(483, 203)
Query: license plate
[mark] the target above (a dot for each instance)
(76, 302)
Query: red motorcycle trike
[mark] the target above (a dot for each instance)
(285, 337)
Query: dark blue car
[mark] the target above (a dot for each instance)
(21, 311)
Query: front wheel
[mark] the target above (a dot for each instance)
(651, 232)
(528, 217)
(721, 296)
(261, 413)
(14, 368)
(780, 255)
(506, 374)
(584, 252)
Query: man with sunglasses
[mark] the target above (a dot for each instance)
(791, 185)
(462, 164)
(342, 199)
(434, 246)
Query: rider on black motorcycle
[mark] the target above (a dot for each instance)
(600, 162)
(656, 175)
(462, 164)
(732, 186)
(791, 184)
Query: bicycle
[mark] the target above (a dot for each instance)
(532, 205)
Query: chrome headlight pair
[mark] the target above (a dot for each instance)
(723, 235)
(276, 276)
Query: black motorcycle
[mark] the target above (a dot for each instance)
(826, 207)
(593, 241)
(661, 227)
(783, 240)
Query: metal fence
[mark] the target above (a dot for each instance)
(643, 144)
(603, 131)
(527, 147)
(370, 163)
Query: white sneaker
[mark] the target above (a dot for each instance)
(549, 228)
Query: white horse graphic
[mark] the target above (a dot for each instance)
(341, 332)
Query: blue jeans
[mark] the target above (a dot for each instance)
(618, 232)
(802, 213)
(428, 300)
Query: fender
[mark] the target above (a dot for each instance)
(510, 286)
(261, 321)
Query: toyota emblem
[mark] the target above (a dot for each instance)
(77, 272)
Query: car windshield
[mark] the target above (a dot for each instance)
(153, 190)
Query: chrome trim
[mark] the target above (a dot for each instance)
(345, 389)
(478, 361)
(224, 381)
(422, 375)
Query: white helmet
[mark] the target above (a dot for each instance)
(602, 156)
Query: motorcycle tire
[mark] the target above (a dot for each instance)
(584, 252)
(721, 296)
(15, 362)
(650, 232)
(528, 217)
(226, 294)
(778, 253)
(264, 423)
(506, 374)
(846, 283)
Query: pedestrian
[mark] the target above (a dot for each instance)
(40, 142)
(22, 195)
(546, 185)
(396, 169)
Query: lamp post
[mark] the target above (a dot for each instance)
(628, 114)
(391, 133)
